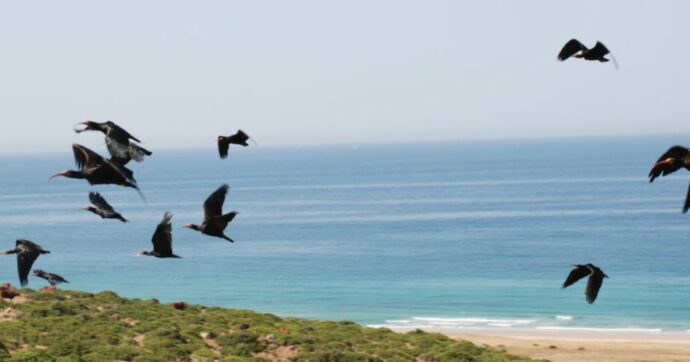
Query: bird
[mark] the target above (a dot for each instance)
(214, 221)
(574, 48)
(98, 170)
(118, 141)
(239, 138)
(53, 279)
(102, 208)
(27, 252)
(162, 239)
(671, 161)
(596, 278)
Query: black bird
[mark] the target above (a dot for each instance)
(118, 141)
(98, 170)
(214, 221)
(239, 138)
(162, 239)
(675, 158)
(53, 279)
(103, 208)
(578, 50)
(27, 252)
(596, 278)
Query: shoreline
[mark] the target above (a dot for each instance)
(578, 345)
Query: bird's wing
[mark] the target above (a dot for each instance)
(686, 206)
(26, 244)
(669, 162)
(221, 222)
(675, 152)
(593, 286)
(598, 51)
(241, 137)
(137, 152)
(580, 271)
(119, 134)
(570, 48)
(58, 278)
(85, 158)
(123, 171)
(213, 206)
(25, 260)
(223, 146)
(98, 201)
(162, 237)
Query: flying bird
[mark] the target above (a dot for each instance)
(98, 170)
(53, 279)
(118, 141)
(239, 138)
(578, 50)
(214, 221)
(162, 239)
(671, 161)
(102, 208)
(27, 252)
(596, 278)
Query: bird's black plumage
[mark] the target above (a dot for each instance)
(98, 170)
(118, 141)
(215, 221)
(579, 271)
(102, 208)
(162, 239)
(53, 279)
(672, 160)
(224, 142)
(574, 48)
(27, 253)
(596, 279)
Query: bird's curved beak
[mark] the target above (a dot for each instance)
(84, 208)
(79, 129)
(187, 226)
(62, 173)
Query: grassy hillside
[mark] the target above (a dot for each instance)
(76, 326)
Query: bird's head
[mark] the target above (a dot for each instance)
(87, 126)
(38, 271)
(192, 226)
(144, 253)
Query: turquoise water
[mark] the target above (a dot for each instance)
(455, 235)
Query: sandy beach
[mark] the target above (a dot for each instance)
(567, 346)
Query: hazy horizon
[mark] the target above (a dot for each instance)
(176, 75)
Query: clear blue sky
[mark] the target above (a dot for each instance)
(177, 74)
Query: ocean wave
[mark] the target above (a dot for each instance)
(564, 317)
(596, 329)
(492, 214)
(389, 185)
(456, 323)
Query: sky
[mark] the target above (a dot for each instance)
(176, 74)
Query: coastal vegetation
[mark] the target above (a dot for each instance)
(55, 325)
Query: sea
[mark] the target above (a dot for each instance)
(454, 235)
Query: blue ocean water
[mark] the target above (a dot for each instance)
(451, 235)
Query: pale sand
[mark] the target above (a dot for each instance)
(571, 346)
